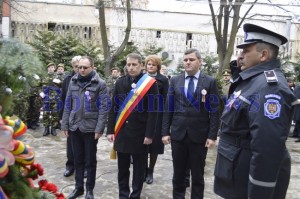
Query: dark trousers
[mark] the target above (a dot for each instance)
(188, 153)
(124, 174)
(85, 150)
(70, 155)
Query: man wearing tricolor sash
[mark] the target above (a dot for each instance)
(131, 124)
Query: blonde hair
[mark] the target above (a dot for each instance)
(155, 59)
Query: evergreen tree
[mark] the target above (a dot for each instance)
(18, 65)
(180, 67)
(92, 51)
(121, 59)
(43, 45)
(51, 48)
(64, 49)
(208, 65)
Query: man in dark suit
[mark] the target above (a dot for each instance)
(190, 123)
(138, 128)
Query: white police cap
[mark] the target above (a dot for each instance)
(257, 34)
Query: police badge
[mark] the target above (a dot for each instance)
(272, 108)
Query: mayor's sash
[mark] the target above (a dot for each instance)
(136, 94)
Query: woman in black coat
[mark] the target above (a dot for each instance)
(153, 66)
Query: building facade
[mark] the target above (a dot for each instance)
(173, 29)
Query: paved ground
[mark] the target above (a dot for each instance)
(51, 153)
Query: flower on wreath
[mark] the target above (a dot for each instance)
(33, 171)
(50, 187)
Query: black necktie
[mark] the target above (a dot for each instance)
(190, 90)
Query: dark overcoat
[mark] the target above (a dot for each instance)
(157, 146)
(139, 124)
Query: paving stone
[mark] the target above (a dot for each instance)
(50, 151)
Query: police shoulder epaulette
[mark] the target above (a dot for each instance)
(271, 76)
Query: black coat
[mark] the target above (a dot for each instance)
(200, 120)
(139, 124)
(157, 146)
(297, 108)
(64, 91)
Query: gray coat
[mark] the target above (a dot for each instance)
(86, 107)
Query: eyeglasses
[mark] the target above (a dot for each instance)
(83, 67)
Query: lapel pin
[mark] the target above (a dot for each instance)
(203, 93)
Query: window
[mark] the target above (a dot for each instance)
(51, 26)
(189, 38)
(158, 34)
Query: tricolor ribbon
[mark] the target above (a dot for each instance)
(132, 100)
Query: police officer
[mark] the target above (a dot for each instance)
(252, 160)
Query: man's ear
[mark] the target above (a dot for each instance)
(265, 54)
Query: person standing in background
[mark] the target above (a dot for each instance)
(51, 95)
(291, 83)
(296, 117)
(111, 80)
(153, 66)
(65, 85)
(226, 83)
(163, 70)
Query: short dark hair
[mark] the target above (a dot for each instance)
(91, 60)
(115, 68)
(274, 50)
(193, 50)
(135, 56)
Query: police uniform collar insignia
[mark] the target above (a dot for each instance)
(271, 76)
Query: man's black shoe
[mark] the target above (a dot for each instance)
(89, 195)
(297, 140)
(68, 172)
(85, 173)
(149, 178)
(75, 193)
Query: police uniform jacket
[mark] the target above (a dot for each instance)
(86, 107)
(254, 128)
(139, 124)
